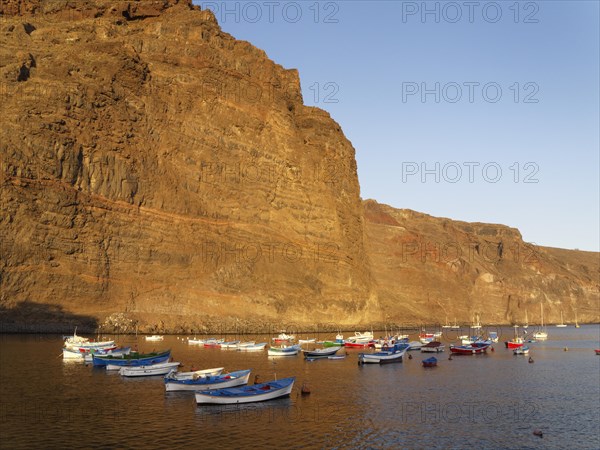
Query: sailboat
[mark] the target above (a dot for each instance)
(476, 325)
(455, 326)
(541, 335)
(447, 324)
(562, 322)
(526, 321)
(576, 322)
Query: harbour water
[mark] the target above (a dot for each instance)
(495, 400)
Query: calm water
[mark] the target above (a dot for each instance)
(487, 401)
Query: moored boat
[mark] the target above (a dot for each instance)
(150, 370)
(252, 347)
(430, 362)
(154, 337)
(195, 374)
(247, 394)
(471, 349)
(230, 344)
(321, 352)
(433, 347)
(133, 359)
(395, 354)
(284, 338)
(524, 350)
(284, 350)
(117, 352)
(175, 383)
(414, 345)
(597, 351)
(307, 341)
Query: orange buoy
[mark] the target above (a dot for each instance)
(305, 390)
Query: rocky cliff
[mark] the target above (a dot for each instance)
(154, 170)
(456, 271)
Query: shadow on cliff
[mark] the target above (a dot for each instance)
(30, 317)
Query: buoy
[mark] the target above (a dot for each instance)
(530, 360)
(450, 358)
(256, 379)
(492, 349)
(539, 433)
(566, 349)
(409, 356)
(305, 390)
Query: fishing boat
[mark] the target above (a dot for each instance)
(284, 350)
(307, 341)
(425, 337)
(213, 343)
(117, 352)
(150, 370)
(362, 345)
(414, 345)
(562, 322)
(455, 326)
(284, 338)
(516, 341)
(339, 341)
(597, 351)
(230, 344)
(154, 337)
(321, 352)
(252, 347)
(132, 359)
(493, 336)
(174, 383)
(576, 321)
(196, 373)
(524, 350)
(542, 334)
(432, 347)
(447, 324)
(247, 394)
(392, 355)
(430, 362)
(195, 341)
(472, 349)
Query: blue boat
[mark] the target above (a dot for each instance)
(133, 359)
(247, 394)
(238, 378)
(430, 362)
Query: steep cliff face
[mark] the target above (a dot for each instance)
(154, 165)
(156, 170)
(450, 270)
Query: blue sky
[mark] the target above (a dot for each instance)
(525, 123)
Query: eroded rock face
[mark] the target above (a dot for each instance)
(161, 168)
(451, 270)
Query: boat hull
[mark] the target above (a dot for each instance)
(469, 349)
(248, 394)
(147, 371)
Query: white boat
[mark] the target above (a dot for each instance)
(455, 326)
(284, 350)
(542, 334)
(433, 347)
(195, 341)
(447, 324)
(395, 354)
(284, 338)
(526, 325)
(321, 352)
(154, 337)
(246, 344)
(247, 394)
(562, 322)
(307, 341)
(414, 345)
(524, 350)
(194, 375)
(253, 347)
(230, 344)
(238, 378)
(145, 371)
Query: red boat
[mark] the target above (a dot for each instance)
(359, 344)
(472, 349)
(515, 343)
(598, 351)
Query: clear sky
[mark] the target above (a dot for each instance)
(476, 111)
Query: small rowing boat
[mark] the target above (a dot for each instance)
(146, 371)
(174, 383)
(247, 394)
